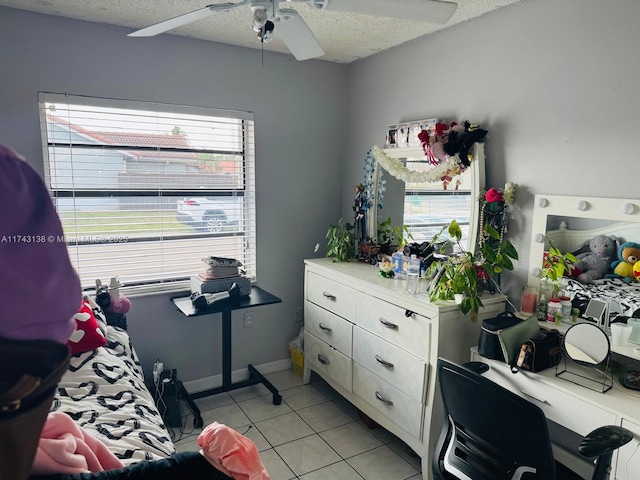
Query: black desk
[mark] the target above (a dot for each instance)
(257, 298)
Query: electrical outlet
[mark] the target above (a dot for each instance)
(299, 314)
(248, 319)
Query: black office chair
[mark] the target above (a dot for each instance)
(491, 433)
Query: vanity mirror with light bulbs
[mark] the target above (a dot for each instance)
(569, 221)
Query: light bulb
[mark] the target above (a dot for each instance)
(536, 271)
(581, 205)
(538, 238)
(259, 19)
(542, 202)
(627, 208)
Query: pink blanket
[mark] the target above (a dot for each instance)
(231, 452)
(65, 447)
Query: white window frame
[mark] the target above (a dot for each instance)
(171, 282)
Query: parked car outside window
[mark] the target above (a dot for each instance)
(210, 214)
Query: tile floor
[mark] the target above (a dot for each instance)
(313, 435)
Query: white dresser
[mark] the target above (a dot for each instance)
(577, 409)
(377, 345)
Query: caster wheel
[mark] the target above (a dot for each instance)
(277, 399)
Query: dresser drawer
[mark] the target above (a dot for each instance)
(327, 361)
(384, 397)
(564, 409)
(398, 367)
(391, 323)
(333, 296)
(329, 327)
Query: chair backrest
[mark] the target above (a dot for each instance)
(490, 433)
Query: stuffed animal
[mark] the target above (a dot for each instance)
(595, 257)
(628, 255)
(110, 299)
(636, 274)
(119, 303)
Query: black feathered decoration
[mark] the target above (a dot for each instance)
(460, 142)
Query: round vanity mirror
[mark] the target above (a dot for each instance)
(586, 344)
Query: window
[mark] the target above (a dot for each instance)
(145, 191)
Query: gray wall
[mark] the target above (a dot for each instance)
(555, 83)
(299, 116)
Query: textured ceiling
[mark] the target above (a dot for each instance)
(344, 37)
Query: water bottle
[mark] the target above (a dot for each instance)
(542, 308)
(413, 273)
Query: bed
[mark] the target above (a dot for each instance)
(104, 392)
(568, 222)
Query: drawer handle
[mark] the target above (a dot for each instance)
(409, 313)
(323, 360)
(384, 363)
(535, 397)
(390, 325)
(328, 295)
(325, 328)
(383, 400)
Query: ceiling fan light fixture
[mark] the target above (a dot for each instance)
(266, 32)
(260, 19)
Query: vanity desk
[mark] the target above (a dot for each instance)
(575, 410)
(378, 345)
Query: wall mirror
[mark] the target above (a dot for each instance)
(586, 345)
(428, 206)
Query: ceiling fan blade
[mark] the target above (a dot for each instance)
(181, 20)
(432, 11)
(297, 36)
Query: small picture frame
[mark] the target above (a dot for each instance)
(414, 130)
(402, 136)
(392, 136)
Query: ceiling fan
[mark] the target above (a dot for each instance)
(287, 23)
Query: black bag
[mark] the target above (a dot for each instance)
(488, 342)
(539, 353)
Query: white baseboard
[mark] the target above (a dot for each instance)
(206, 383)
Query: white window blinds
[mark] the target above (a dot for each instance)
(145, 191)
(428, 206)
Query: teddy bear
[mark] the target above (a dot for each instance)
(595, 257)
(628, 255)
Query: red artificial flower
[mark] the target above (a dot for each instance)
(423, 136)
(441, 129)
(494, 195)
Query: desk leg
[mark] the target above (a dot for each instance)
(277, 398)
(254, 375)
(226, 348)
(197, 420)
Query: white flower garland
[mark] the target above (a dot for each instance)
(395, 167)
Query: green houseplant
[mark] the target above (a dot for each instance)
(341, 241)
(392, 238)
(464, 273)
(555, 265)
